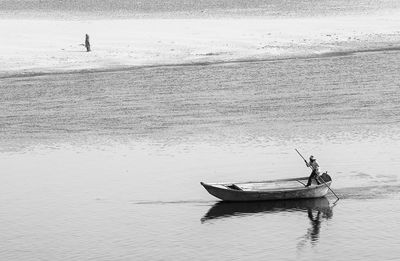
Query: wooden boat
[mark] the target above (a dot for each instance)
(269, 190)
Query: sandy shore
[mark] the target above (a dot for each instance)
(46, 45)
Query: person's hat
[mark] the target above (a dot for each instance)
(312, 157)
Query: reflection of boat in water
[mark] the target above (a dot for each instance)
(232, 209)
(315, 209)
(282, 189)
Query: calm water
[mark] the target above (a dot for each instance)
(107, 165)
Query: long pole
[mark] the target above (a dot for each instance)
(301, 156)
(318, 177)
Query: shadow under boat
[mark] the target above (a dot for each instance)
(235, 209)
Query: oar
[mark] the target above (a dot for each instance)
(329, 188)
(317, 176)
(301, 156)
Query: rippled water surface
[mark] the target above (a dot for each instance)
(107, 165)
(190, 8)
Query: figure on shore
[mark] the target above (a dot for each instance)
(315, 171)
(87, 43)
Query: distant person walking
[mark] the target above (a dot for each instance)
(87, 43)
(315, 171)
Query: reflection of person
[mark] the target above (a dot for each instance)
(316, 224)
(87, 43)
(315, 215)
(315, 170)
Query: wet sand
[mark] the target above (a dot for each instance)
(40, 45)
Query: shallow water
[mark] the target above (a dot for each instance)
(107, 165)
(352, 97)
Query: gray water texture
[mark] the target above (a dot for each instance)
(233, 121)
(355, 96)
(193, 8)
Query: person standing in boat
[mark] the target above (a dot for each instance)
(315, 171)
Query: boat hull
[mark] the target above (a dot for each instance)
(227, 194)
